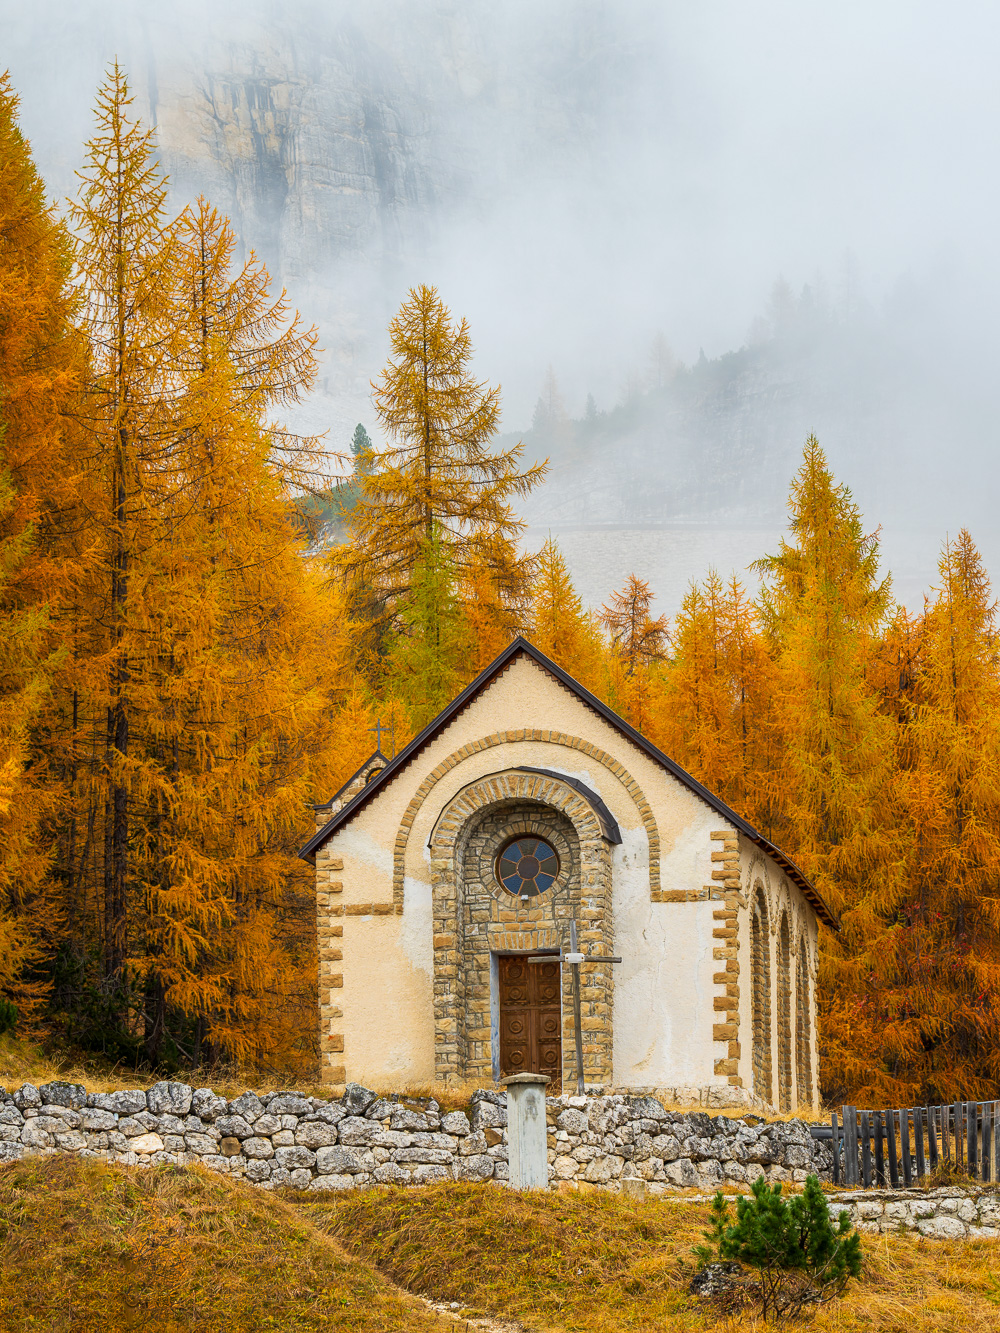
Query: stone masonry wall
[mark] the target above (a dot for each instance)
(362, 1139)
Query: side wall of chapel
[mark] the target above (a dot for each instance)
(773, 964)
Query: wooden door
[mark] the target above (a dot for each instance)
(530, 1017)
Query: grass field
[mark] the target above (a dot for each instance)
(85, 1247)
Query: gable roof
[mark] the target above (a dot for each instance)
(522, 648)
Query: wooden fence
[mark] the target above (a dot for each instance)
(899, 1147)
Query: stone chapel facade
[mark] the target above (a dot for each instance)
(525, 805)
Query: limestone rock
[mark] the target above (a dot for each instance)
(172, 1097)
(358, 1132)
(681, 1172)
(27, 1097)
(573, 1122)
(294, 1157)
(206, 1105)
(248, 1105)
(93, 1118)
(146, 1143)
(430, 1175)
(71, 1140)
(456, 1122)
(716, 1279)
(942, 1228)
(337, 1161)
(356, 1099)
(35, 1138)
(127, 1101)
(288, 1103)
(200, 1143)
(331, 1113)
(402, 1117)
(266, 1124)
(257, 1148)
(478, 1167)
(235, 1126)
(332, 1182)
(72, 1095)
(315, 1134)
(434, 1156)
(487, 1114)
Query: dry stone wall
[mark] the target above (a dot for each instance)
(947, 1213)
(361, 1139)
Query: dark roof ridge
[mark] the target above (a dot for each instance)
(522, 647)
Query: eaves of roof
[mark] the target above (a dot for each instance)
(521, 647)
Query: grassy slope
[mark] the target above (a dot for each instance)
(596, 1262)
(86, 1247)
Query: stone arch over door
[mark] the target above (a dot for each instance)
(474, 919)
(607, 761)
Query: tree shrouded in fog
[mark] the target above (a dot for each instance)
(439, 476)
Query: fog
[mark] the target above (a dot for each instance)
(577, 177)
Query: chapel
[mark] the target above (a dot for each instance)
(452, 879)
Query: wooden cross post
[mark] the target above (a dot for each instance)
(574, 958)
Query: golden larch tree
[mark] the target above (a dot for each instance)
(41, 365)
(438, 472)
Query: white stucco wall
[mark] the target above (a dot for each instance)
(663, 1009)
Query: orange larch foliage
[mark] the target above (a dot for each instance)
(41, 364)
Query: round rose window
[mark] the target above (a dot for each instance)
(527, 866)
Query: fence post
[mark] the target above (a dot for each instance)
(835, 1139)
(866, 1152)
(904, 1145)
(972, 1137)
(932, 1119)
(958, 1135)
(850, 1145)
(987, 1140)
(527, 1139)
(890, 1126)
(918, 1133)
(879, 1150)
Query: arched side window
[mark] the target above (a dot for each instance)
(803, 1034)
(760, 983)
(784, 1016)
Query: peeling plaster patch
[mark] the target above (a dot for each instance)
(416, 936)
(352, 842)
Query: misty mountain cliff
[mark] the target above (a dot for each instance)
(720, 440)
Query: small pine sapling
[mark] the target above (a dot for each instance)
(800, 1257)
(714, 1233)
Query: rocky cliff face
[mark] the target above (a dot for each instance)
(348, 145)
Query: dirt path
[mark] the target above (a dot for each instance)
(461, 1321)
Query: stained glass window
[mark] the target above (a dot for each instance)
(527, 866)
